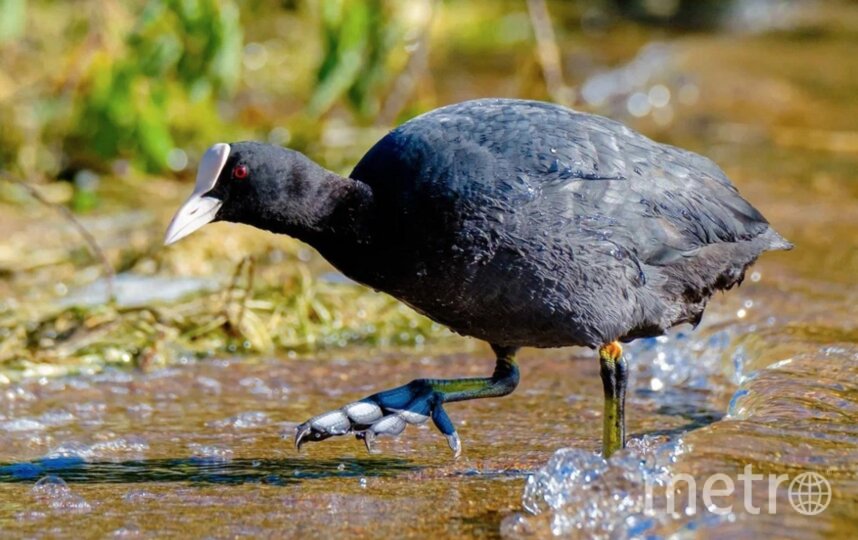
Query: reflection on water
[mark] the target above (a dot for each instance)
(201, 470)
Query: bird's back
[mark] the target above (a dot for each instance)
(526, 223)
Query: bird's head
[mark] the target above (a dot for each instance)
(245, 182)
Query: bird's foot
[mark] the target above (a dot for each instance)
(385, 413)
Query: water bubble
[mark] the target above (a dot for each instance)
(210, 453)
(56, 494)
(50, 486)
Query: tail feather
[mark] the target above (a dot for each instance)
(776, 242)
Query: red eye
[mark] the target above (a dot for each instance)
(240, 172)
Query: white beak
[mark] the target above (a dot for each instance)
(199, 209)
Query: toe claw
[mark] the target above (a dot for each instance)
(385, 413)
(322, 427)
(368, 438)
(302, 432)
(455, 444)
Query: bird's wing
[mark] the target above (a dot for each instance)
(566, 170)
(598, 173)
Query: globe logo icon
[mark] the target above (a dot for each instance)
(809, 493)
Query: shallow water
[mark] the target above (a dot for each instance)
(149, 445)
(197, 449)
(770, 379)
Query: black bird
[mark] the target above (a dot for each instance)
(520, 223)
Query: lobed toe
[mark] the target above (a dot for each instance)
(389, 425)
(363, 413)
(332, 423)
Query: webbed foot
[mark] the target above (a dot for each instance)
(385, 413)
(389, 412)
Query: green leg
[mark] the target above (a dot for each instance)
(502, 382)
(390, 411)
(615, 374)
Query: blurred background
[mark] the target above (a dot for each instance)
(140, 373)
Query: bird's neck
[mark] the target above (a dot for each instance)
(329, 212)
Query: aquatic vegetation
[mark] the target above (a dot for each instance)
(298, 316)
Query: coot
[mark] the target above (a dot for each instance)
(520, 223)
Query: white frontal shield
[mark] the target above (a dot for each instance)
(199, 209)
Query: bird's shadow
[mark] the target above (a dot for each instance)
(697, 414)
(280, 471)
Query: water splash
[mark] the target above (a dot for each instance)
(568, 495)
(119, 448)
(687, 359)
(210, 453)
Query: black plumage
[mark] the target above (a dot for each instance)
(521, 223)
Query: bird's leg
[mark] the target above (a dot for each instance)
(615, 374)
(388, 412)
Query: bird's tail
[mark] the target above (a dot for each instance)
(776, 242)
